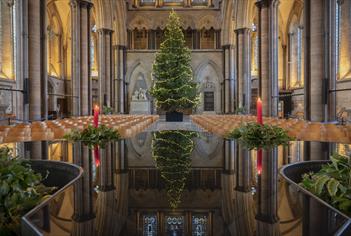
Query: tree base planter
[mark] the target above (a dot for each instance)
(293, 174)
(174, 116)
(60, 175)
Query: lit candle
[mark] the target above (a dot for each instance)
(97, 156)
(259, 161)
(96, 116)
(259, 111)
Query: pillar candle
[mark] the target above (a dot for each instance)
(96, 116)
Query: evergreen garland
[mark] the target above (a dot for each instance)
(172, 151)
(174, 88)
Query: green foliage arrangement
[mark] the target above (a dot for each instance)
(92, 136)
(107, 110)
(172, 151)
(332, 183)
(174, 88)
(255, 136)
(20, 190)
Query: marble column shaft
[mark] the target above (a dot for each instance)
(268, 55)
(80, 38)
(105, 67)
(243, 68)
(229, 80)
(119, 79)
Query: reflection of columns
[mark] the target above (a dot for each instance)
(243, 68)
(119, 80)
(105, 67)
(36, 49)
(229, 153)
(229, 93)
(268, 55)
(267, 190)
(243, 167)
(80, 38)
(83, 188)
(108, 155)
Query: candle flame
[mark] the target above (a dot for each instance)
(259, 99)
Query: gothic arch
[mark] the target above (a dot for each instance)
(208, 22)
(136, 71)
(209, 77)
(139, 23)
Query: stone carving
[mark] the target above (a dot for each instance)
(140, 95)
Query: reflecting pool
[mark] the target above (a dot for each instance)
(180, 183)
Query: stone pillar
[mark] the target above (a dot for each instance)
(318, 68)
(268, 55)
(80, 38)
(229, 80)
(267, 200)
(36, 49)
(105, 67)
(120, 78)
(243, 68)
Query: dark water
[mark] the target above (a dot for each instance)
(181, 184)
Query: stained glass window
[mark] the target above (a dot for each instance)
(150, 225)
(175, 225)
(199, 225)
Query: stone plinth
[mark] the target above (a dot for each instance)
(140, 107)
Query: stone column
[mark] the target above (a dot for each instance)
(243, 170)
(120, 78)
(229, 80)
(105, 67)
(36, 49)
(80, 38)
(268, 55)
(318, 68)
(243, 68)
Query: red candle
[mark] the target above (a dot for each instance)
(96, 116)
(259, 161)
(97, 156)
(259, 111)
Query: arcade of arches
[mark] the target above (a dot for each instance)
(58, 58)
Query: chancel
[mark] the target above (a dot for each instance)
(175, 117)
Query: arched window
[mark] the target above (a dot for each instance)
(254, 50)
(93, 52)
(54, 46)
(337, 38)
(295, 54)
(7, 39)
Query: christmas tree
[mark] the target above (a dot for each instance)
(174, 88)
